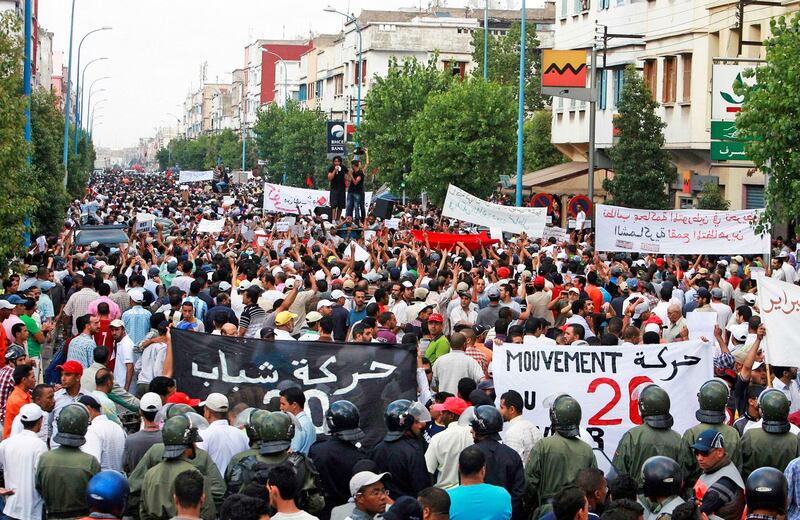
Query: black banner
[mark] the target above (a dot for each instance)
(254, 371)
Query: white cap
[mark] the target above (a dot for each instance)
(5, 304)
(335, 271)
(365, 478)
(289, 283)
(324, 303)
(652, 327)
(224, 286)
(749, 298)
(30, 412)
(216, 402)
(244, 285)
(408, 285)
(336, 294)
(136, 294)
(313, 317)
(117, 324)
(150, 402)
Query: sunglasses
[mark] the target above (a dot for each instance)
(701, 453)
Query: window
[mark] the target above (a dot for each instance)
(564, 8)
(318, 89)
(577, 7)
(302, 95)
(669, 85)
(604, 4)
(363, 72)
(602, 83)
(619, 84)
(456, 68)
(650, 70)
(754, 196)
(686, 60)
(310, 90)
(338, 85)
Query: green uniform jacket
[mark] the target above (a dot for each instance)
(687, 459)
(642, 442)
(554, 462)
(154, 456)
(158, 488)
(61, 479)
(760, 448)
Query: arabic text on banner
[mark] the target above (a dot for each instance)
(195, 176)
(460, 205)
(254, 371)
(286, 199)
(603, 380)
(681, 231)
(779, 303)
(210, 226)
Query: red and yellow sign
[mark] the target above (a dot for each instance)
(564, 69)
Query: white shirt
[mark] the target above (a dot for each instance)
(44, 431)
(19, 456)
(124, 355)
(530, 339)
(183, 282)
(105, 440)
(521, 435)
(443, 451)
(152, 362)
(724, 314)
(284, 335)
(794, 430)
(792, 392)
(222, 441)
(459, 315)
(451, 367)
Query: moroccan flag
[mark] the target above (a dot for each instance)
(309, 182)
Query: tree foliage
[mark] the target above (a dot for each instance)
(504, 61)
(770, 117)
(538, 151)
(47, 136)
(394, 102)
(464, 136)
(642, 168)
(293, 142)
(711, 198)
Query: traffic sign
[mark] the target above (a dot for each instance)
(542, 200)
(576, 203)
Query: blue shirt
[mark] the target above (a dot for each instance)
(81, 349)
(137, 323)
(356, 316)
(479, 502)
(306, 434)
(200, 307)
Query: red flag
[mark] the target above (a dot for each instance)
(309, 182)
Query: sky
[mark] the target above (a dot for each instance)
(156, 47)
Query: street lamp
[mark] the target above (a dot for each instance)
(88, 107)
(521, 108)
(91, 116)
(91, 87)
(65, 155)
(243, 120)
(79, 105)
(486, 41)
(351, 18)
(78, 79)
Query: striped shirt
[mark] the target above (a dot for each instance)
(200, 307)
(78, 305)
(81, 349)
(252, 320)
(137, 323)
(6, 387)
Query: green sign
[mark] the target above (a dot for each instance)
(724, 130)
(728, 151)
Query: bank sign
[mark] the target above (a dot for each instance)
(725, 102)
(337, 135)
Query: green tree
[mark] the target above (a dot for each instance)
(47, 136)
(504, 62)
(227, 147)
(394, 101)
(465, 136)
(163, 158)
(711, 198)
(268, 131)
(538, 151)
(17, 183)
(642, 167)
(769, 117)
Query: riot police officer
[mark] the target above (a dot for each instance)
(773, 444)
(767, 494)
(200, 460)
(654, 437)
(503, 464)
(107, 495)
(402, 450)
(662, 487)
(712, 398)
(275, 432)
(179, 436)
(64, 473)
(335, 455)
(556, 460)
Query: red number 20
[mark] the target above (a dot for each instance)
(633, 404)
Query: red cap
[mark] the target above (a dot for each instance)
(659, 262)
(653, 319)
(71, 367)
(454, 405)
(436, 318)
(503, 272)
(538, 281)
(182, 398)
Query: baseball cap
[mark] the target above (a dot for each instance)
(5, 304)
(336, 294)
(71, 367)
(407, 284)
(363, 479)
(740, 332)
(652, 327)
(88, 400)
(30, 412)
(150, 402)
(244, 285)
(313, 317)
(659, 262)
(493, 293)
(739, 259)
(436, 318)
(703, 293)
(420, 293)
(153, 271)
(117, 324)
(32, 269)
(749, 299)
(16, 299)
(454, 405)
(284, 317)
(182, 398)
(216, 402)
(538, 281)
(462, 287)
(702, 270)
(708, 440)
(324, 303)
(136, 294)
(632, 283)
(716, 292)
(574, 289)
(224, 286)
(503, 272)
(110, 269)
(404, 508)
(348, 285)
(486, 384)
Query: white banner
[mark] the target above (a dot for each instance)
(144, 222)
(286, 199)
(779, 303)
(603, 380)
(195, 176)
(462, 206)
(679, 231)
(210, 226)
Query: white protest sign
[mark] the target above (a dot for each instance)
(286, 199)
(680, 231)
(603, 380)
(465, 207)
(41, 243)
(144, 222)
(281, 226)
(361, 254)
(260, 237)
(228, 201)
(779, 303)
(392, 223)
(496, 233)
(559, 233)
(195, 176)
(368, 235)
(701, 325)
(210, 226)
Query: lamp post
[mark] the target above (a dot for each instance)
(65, 155)
(91, 116)
(88, 107)
(351, 18)
(521, 108)
(78, 80)
(243, 123)
(79, 102)
(285, 99)
(91, 87)
(486, 41)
